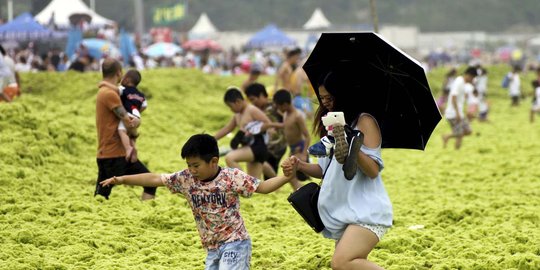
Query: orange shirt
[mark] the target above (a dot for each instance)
(109, 143)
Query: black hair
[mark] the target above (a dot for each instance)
(232, 95)
(2, 50)
(134, 76)
(471, 71)
(110, 67)
(256, 90)
(282, 96)
(333, 82)
(202, 146)
(293, 52)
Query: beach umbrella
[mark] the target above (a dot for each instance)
(201, 45)
(99, 47)
(160, 49)
(371, 75)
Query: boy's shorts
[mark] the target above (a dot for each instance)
(234, 256)
(459, 127)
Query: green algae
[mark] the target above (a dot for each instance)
(478, 206)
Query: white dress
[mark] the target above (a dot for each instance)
(361, 200)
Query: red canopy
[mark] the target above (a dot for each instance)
(201, 45)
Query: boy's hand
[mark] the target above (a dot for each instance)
(112, 181)
(290, 166)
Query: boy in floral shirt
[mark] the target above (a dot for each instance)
(213, 194)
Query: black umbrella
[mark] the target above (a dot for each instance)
(373, 76)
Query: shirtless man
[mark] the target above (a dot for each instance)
(286, 70)
(296, 132)
(252, 123)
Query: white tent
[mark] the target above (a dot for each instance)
(317, 21)
(203, 28)
(60, 10)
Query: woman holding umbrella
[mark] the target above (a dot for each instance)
(356, 213)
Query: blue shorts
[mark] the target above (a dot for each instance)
(233, 255)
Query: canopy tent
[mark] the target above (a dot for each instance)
(59, 12)
(203, 28)
(24, 28)
(317, 21)
(270, 36)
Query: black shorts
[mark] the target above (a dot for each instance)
(259, 149)
(274, 160)
(109, 167)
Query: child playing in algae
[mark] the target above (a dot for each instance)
(213, 194)
(295, 130)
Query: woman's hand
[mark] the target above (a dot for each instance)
(290, 166)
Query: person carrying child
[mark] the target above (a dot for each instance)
(213, 193)
(296, 133)
(111, 156)
(357, 212)
(249, 143)
(134, 102)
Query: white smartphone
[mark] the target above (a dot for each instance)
(332, 118)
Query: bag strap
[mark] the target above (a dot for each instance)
(324, 173)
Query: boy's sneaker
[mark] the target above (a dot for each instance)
(323, 148)
(341, 148)
(351, 163)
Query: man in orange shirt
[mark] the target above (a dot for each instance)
(111, 155)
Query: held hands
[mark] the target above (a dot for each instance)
(112, 181)
(290, 166)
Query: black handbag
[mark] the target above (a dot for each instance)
(304, 200)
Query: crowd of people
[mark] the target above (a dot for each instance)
(265, 129)
(464, 98)
(353, 203)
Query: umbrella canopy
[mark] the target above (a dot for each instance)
(371, 75)
(160, 49)
(201, 45)
(270, 36)
(98, 47)
(24, 27)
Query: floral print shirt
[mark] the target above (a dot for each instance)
(215, 203)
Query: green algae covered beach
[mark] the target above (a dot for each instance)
(477, 208)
